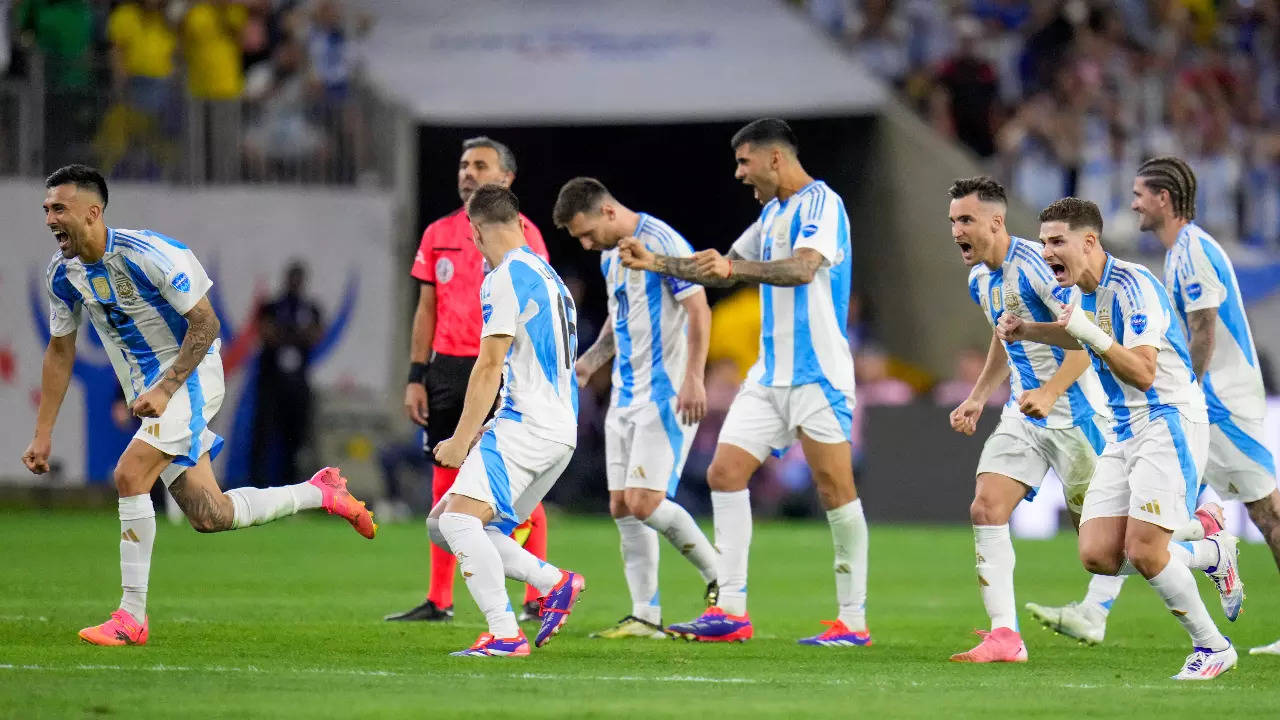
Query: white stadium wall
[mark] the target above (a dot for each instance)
(244, 237)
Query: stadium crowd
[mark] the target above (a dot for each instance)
(137, 82)
(1067, 98)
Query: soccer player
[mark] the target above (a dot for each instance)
(801, 387)
(1051, 419)
(1145, 480)
(442, 350)
(529, 343)
(1202, 282)
(657, 336)
(146, 295)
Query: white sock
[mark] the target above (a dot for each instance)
(520, 564)
(849, 536)
(137, 537)
(481, 567)
(1103, 591)
(640, 565)
(1177, 587)
(732, 512)
(258, 506)
(679, 528)
(995, 574)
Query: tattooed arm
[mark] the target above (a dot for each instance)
(203, 327)
(710, 268)
(1201, 324)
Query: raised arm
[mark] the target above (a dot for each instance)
(203, 327)
(55, 377)
(482, 388)
(596, 356)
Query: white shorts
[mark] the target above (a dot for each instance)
(1153, 476)
(183, 429)
(764, 419)
(1240, 466)
(1024, 451)
(512, 470)
(645, 446)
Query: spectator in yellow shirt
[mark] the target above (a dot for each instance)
(211, 41)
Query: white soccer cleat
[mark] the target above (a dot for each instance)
(1205, 664)
(1272, 649)
(1085, 623)
(1226, 574)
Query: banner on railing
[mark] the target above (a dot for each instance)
(244, 237)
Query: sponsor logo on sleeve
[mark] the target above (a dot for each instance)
(1194, 291)
(444, 270)
(809, 230)
(181, 282)
(1138, 322)
(487, 310)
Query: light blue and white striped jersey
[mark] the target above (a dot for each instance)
(803, 335)
(1199, 276)
(650, 326)
(524, 298)
(1024, 286)
(1131, 305)
(136, 296)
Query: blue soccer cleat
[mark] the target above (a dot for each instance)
(489, 646)
(557, 605)
(838, 634)
(715, 625)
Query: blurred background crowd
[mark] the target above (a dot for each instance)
(214, 90)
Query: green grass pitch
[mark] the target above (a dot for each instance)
(285, 621)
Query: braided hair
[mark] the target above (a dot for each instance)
(1173, 175)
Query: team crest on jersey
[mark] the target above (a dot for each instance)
(444, 270)
(124, 288)
(181, 282)
(101, 288)
(1194, 291)
(1103, 320)
(1011, 300)
(1138, 322)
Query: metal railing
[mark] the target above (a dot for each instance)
(153, 129)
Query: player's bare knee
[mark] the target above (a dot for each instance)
(129, 482)
(1101, 560)
(1147, 555)
(642, 503)
(618, 506)
(723, 478)
(983, 512)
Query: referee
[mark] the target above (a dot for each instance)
(446, 330)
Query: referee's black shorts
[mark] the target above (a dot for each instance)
(447, 377)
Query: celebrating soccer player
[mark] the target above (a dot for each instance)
(800, 387)
(1202, 283)
(529, 344)
(146, 295)
(1145, 481)
(442, 350)
(1053, 416)
(656, 336)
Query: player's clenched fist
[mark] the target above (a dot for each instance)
(964, 419)
(1010, 328)
(710, 263)
(450, 453)
(36, 458)
(634, 255)
(151, 404)
(1037, 402)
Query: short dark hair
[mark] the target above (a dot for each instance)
(1175, 176)
(985, 186)
(579, 195)
(766, 131)
(506, 158)
(1076, 213)
(82, 176)
(493, 204)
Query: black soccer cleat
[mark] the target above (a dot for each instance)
(427, 611)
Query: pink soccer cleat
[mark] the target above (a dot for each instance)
(121, 629)
(838, 634)
(489, 646)
(338, 501)
(999, 645)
